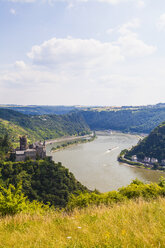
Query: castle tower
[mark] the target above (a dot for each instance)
(23, 143)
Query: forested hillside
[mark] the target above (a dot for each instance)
(152, 146)
(42, 180)
(40, 110)
(5, 147)
(41, 127)
(139, 120)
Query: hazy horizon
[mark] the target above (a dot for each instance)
(79, 106)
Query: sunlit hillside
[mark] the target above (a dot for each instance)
(40, 127)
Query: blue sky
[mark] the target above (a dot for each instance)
(82, 52)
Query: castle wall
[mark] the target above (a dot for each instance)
(24, 152)
(20, 158)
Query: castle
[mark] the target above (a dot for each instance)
(33, 151)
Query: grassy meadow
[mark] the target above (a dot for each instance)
(131, 224)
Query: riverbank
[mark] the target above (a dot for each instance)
(67, 138)
(72, 143)
(111, 131)
(137, 164)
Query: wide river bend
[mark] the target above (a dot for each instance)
(95, 163)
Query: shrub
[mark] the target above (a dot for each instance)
(135, 190)
(13, 201)
(141, 190)
(86, 199)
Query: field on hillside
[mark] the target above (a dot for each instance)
(132, 224)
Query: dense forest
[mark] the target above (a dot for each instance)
(152, 146)
(141, 120)
(42, 180)
(40, 127)
(5, 147)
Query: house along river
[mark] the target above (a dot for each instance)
(95, 163)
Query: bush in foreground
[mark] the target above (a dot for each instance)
(135, 190)
(13, 201)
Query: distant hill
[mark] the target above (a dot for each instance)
(41, 110)
(41, 127)
(152, 146)
(62, 109)
(140, 120)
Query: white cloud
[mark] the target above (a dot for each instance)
(36, 85)
(75, 53)
(20, 64)
(161, 23)
(132, 46)
(76, 71)
(13, 11)
(125, 28)
(81, 71)
(89, 54)
(27, 76)
(129, 42)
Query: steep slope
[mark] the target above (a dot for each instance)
(13, 130)
(127, 118)
(42, 180)
(41, 127)
(152, 146)
(138, 120)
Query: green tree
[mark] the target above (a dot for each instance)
(12, 200)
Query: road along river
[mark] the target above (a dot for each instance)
(95, 163)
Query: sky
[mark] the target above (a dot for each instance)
(82, 52)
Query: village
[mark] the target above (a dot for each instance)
(149, 162)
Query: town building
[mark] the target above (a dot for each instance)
(163, 162)
(154, 160)
(147, 160)
(134, 158)
(33, 151)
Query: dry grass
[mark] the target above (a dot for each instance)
(131, 224)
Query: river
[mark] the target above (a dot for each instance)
(95, 163)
